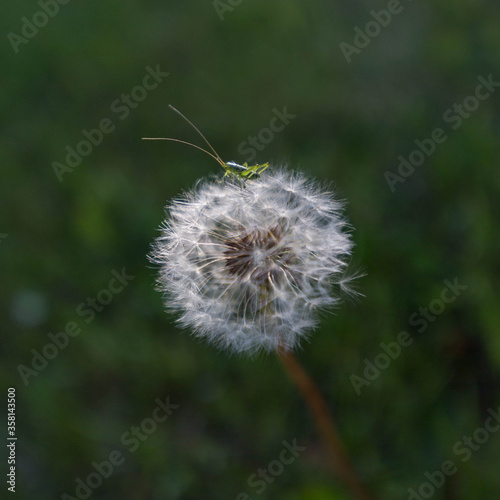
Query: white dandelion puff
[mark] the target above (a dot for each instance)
(249, 261)
(249, 264)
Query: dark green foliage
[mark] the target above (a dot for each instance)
(69, 228)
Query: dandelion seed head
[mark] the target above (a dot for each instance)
(250, 264)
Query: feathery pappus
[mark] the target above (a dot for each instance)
(251, 259)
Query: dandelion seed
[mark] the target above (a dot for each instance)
(249, 264)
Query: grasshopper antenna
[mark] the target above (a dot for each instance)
(218, 160)
(215, 156)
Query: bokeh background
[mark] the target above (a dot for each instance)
(61, 239)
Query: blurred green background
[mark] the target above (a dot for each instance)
(62, 237)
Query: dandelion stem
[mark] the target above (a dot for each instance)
(341, 463)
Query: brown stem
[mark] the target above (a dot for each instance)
(341, 463)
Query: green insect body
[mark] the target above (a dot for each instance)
(244, 171)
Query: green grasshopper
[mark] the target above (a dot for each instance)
(231, 168)
(244, 171)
